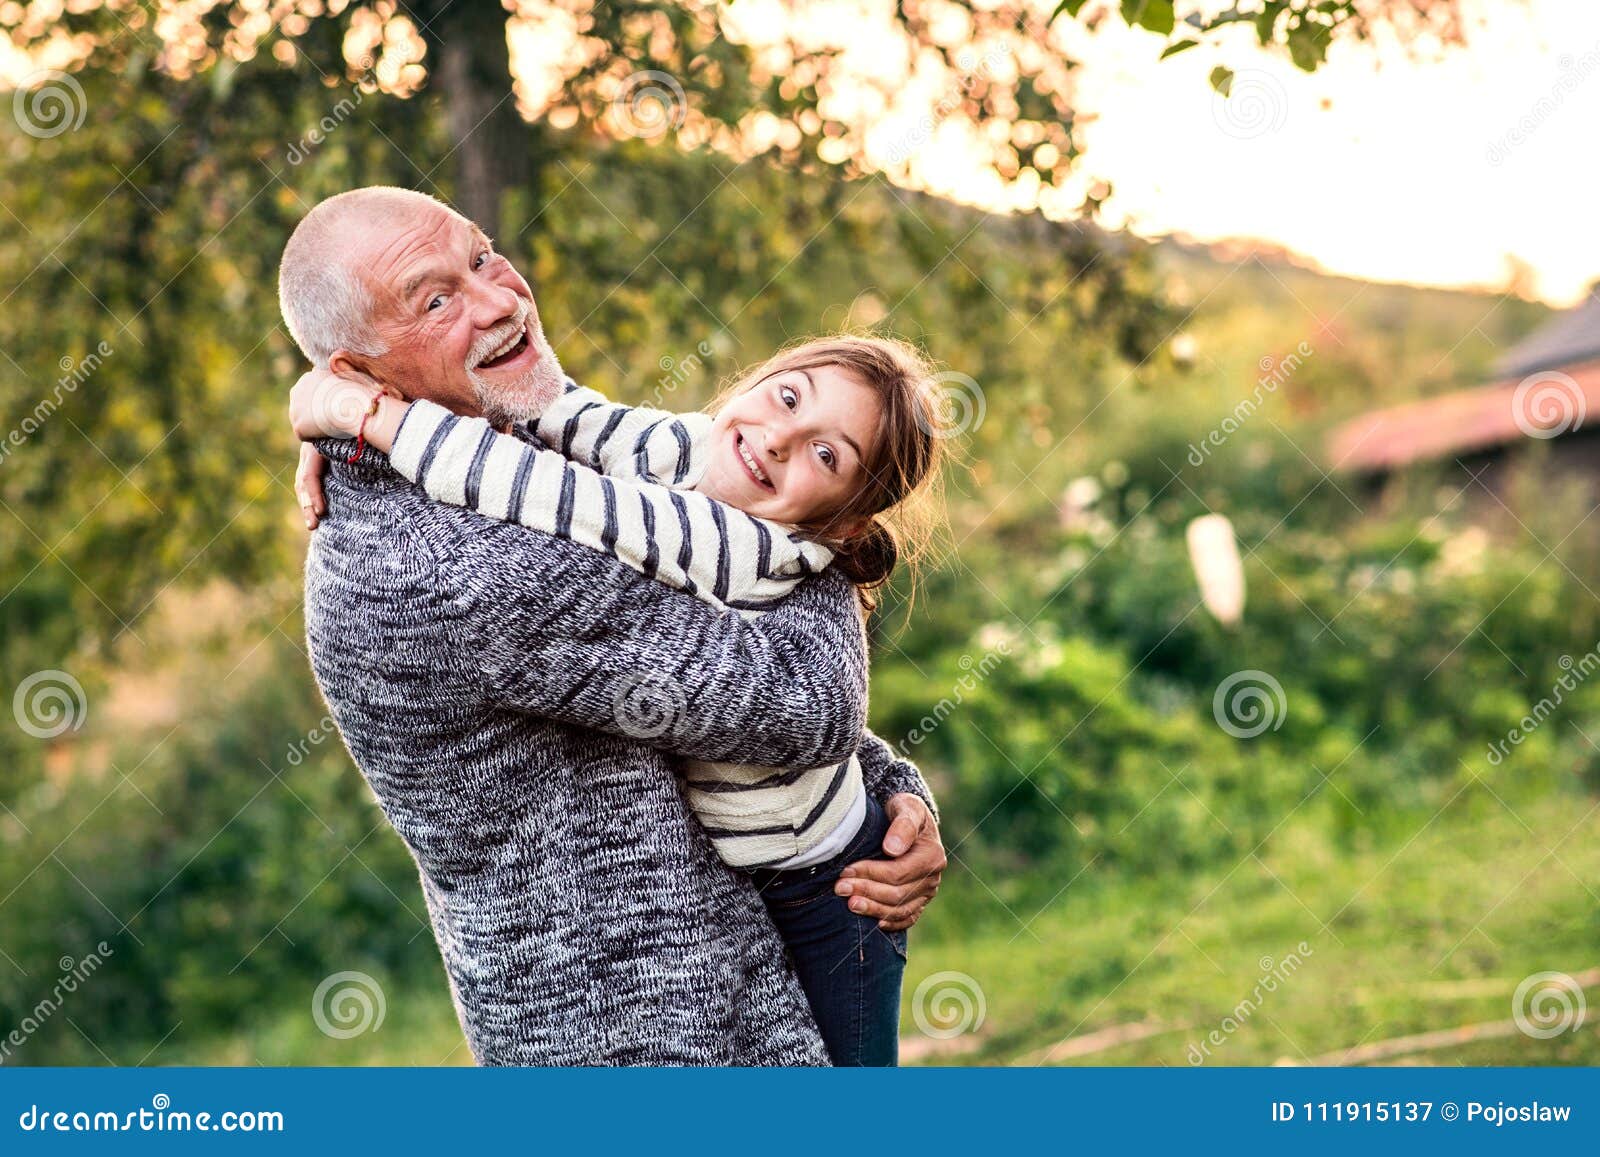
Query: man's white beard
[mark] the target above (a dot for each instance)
(514, 402)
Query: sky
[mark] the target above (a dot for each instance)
(1430, 171)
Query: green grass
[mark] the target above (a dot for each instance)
(419, 1028)
(1427, 933)
(1475, 894)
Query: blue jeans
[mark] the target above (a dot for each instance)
(849, 967)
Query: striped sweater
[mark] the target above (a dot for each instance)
(620, 484)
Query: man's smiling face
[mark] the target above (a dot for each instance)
(458, 323)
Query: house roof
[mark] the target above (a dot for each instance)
(1567, 338)
(1467, 421)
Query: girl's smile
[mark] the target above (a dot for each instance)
(753, 466)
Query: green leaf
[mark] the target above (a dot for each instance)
(1266, 20)
(1070, 7)
(1308, 45)
(1177, 46)
(1222, 79)
(1158, 16)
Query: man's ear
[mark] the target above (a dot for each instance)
(349, 365)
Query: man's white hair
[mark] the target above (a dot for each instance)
(320, 291)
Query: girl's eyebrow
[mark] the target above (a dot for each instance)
(844, 437)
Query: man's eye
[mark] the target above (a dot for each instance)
(826, 454)
(789, 396)
(436, 301)
(482, 259)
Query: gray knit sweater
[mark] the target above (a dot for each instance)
(757, 817)
(487, 681)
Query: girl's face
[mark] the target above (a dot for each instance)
(791, 448)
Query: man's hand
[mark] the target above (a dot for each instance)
(897, 890)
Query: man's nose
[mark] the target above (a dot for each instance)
(493, 304)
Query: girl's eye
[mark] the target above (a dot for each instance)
(790, 398)
(827, 456)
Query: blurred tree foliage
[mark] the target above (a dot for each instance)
(153, 226)
(699, 70)
(205, 823)
(146, 386)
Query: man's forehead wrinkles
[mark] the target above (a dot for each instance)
(396, 251)
(420, 251)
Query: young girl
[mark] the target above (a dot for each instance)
(827, 454)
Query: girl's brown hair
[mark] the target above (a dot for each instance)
(895, 514)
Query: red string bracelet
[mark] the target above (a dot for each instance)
(361, 430)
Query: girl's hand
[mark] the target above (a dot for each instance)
(308, 484)
(324, 404)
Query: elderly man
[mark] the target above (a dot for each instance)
(475, 670)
